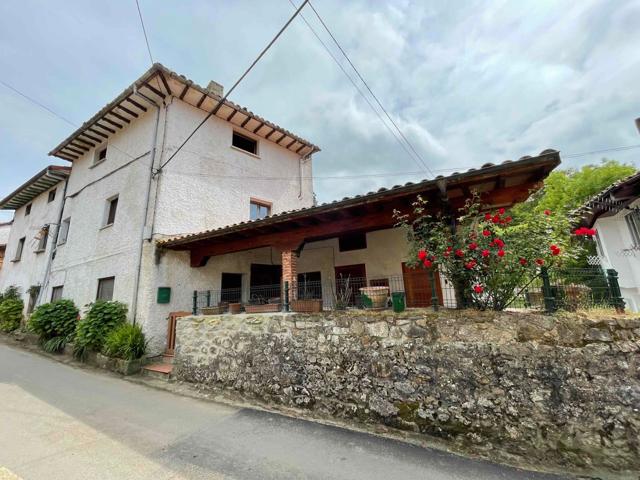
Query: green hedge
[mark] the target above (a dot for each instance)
(102, 318)
(55, 323)
(126, 342)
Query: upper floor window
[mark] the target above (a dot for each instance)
(259, 209)
(42, 241)
(112, 207)
(27, 210)
(64, 231)
(56, 293)
(245, 143)
(100, 155)
(105, 288)
(633, 223)
(52, 195)
(354, 241)
(18, 254)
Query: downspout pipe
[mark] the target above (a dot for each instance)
(147, 196)
(54, 243)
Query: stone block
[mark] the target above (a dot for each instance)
(377, 329)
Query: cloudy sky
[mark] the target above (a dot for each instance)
(467, 81)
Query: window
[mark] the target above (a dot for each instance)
(56, 293)
(633, 223)
(354, 241)
(18, 255)
(105, 288)
(27, 210)
(42, 240)
(101, 155)
(259, 209)
(64, 231)
(112, 206)
(244, 143)
(52, 195)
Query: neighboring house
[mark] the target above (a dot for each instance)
(245, 184)
(5, 228)
(37, 205)
(615, 214)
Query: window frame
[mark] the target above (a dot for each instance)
(57, 288)
(42, 242)
(633, 225)
(245, 137)
(107, 213)
(64, 231)
(101, 286)
(260, 204)
(27, 210)
(19, 250)
(52, 195)
(96, 156)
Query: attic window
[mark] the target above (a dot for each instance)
(101, 155)
(354, 241)
(27, 210)
(52, 195)
(245, 143)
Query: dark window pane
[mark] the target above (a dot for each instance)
(113, 206)
(52, 195)
(18, 255)
(105, 289)
(56, 293)
(356, 241)
(27, 210)
(244, 143)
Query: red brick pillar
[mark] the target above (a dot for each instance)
(290, 272)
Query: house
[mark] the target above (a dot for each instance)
(5, 228)
(231, 216)
(37, 205)
(615, 214)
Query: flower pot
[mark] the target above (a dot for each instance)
(212, 310)
(306, 306)
(375, 297)
(235, 308)
(264, 308)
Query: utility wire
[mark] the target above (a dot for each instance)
(36, 102)
(144, 30)
(224, 98)
(357, 87)
(417, 155)
(604, 150)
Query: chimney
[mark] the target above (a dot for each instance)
(215, 88)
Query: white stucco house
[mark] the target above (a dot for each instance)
(37, 205)
(615, 214)
(5, 229)
(230, 214)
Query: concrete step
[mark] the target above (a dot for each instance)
(158, 370)
(167, 358)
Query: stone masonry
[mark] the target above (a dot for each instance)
(561, 391)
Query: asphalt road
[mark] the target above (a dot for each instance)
(61, 422)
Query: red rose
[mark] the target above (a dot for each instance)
(501, 253)
(487, 216)
(449, 248)
(427, 263)
(470, 265)
(496, 219)
(459, 253)
(446, 254)
(498, 242)
(523, 261)
(555, 250)
(485, 253)
(486, 233)
(478, 289)
(508, 219)
(539, 261)
(473, 246)
(547, 212)
(501, 211)
(422, 254)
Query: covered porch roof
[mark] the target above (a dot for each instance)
(40, 182)
(498, 185)
(612, 200)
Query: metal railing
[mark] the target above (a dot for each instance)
(568, 289)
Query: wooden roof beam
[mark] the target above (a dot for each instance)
(126, 110)
(202, 99)
(115, 124)
(184, 91)
(119, 117)
(164, 82)
(136, 104)
(155, 90)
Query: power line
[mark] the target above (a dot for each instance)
(604, 150)
(224, 98)
(36, 102)
(144, 30)
(357, 87)
(417, 155)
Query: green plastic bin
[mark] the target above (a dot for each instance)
(397, 298)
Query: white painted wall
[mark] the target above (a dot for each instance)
(5, 228)
(30, 270)
(616, 241)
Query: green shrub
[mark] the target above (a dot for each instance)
(12, 292)
(101, 319)
(55, 323)
(126, 342)
(10, 314)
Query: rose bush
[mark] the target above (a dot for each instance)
(488, 257)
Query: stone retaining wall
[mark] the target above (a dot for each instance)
(559, 391)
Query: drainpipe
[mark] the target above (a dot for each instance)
(143, 233)
(54, 245)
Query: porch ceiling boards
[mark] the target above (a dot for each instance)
(156, 84)
(498, 185)
(40, 182)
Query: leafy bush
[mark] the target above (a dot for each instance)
(11, 292)
(93, 329)
(10, 314)
(55, 323)
(126, 342)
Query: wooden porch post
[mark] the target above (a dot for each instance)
(290, 272)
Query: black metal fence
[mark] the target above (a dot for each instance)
(568, 289)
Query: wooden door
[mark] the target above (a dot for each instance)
(171, 330)
(417, 287)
